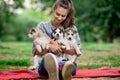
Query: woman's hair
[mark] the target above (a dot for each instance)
(67, 4)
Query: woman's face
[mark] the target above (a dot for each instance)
(60, 15)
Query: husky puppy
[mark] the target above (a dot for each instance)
(58, 34)
(70, 35)
(41, 42)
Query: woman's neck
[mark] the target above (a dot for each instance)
(55, 24)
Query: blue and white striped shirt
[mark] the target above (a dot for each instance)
(47, 26)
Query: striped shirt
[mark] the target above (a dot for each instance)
(47, 26)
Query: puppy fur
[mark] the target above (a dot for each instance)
(58, 34)
(41, 42)
(70, 35)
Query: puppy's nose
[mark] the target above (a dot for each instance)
(69, 38)
(58, 35)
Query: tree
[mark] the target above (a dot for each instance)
(97, 19)
(109, 17)
(6, 12)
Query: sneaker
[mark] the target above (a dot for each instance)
(67, 70)
(51, 66)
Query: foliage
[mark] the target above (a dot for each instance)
(6, 12)
(21, 24)
(96, 17)
(97, 20)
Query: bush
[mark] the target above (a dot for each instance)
(20, 25)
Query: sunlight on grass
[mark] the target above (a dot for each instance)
(16, 48)
(93, 66)
(104, 56)
(100, 46)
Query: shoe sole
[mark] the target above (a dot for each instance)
(51, 66)
(67, 71)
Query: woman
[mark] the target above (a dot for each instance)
(63, 12)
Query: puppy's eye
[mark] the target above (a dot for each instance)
(72, 34)
(30, 32)
(67, 33)
(33, 30)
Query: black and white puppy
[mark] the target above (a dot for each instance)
(70, 35)
(58, 34)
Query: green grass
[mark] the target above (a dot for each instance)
(16, 50)
(14, 62)
(97, 65)
(100, 46)
(98, 61)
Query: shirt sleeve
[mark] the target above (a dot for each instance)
(41, 27)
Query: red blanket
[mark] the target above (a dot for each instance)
(23, 74)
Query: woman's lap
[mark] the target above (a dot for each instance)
(42, 71)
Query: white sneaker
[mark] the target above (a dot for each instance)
(51, 66)
(67, 70)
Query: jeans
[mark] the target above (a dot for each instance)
(43, 72)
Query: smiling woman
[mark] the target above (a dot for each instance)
(60, 15)
(51, 64)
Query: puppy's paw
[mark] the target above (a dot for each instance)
(63, 47)
(78, 51)
(32, 68)
(67, 48)
(78, 55)
(38, 48)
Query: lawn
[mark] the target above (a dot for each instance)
(18, 55)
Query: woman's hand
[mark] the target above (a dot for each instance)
(55, 47)
(43, 52)
(72, 51)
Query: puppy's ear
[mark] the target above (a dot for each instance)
(75, 31)
(33, 30)
(72, 29)
(40, 33)
(67, 29)
(62, 29)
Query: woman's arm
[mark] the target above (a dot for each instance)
(71, 51)
(53, 47)
(43, 52)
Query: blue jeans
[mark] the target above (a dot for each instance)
(43, 72)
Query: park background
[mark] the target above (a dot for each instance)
(98, 23)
